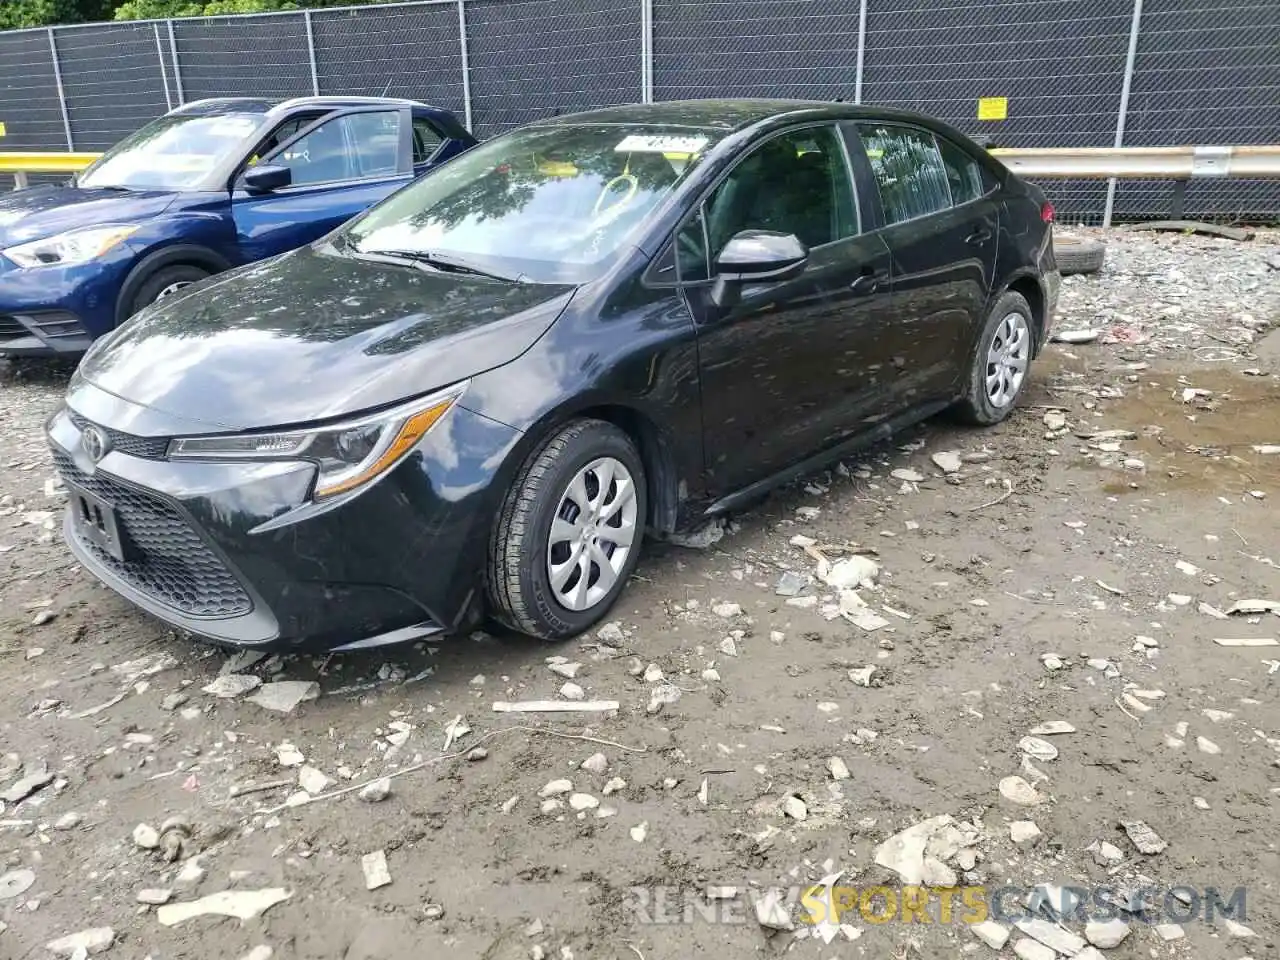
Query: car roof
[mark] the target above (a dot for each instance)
(214, 106)
(728, 115)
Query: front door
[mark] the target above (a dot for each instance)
(942, 230)
(791, 367)
(340, 167)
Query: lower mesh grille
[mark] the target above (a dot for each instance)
(169, 561)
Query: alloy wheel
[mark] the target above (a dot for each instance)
(1007, 360)
(172, 289)
(593, 532)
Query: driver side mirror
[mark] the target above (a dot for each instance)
(267, 177)
(755, 256)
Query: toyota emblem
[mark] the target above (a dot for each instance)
(94, 443)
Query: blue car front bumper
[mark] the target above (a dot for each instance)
(59, 311)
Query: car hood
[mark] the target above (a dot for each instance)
(310, 336)
(41, 212)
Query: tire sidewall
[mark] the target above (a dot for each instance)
(535, 581)
(979, 402)
(151, 287)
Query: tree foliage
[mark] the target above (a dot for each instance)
(39, 13)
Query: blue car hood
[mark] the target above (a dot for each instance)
(41, 212)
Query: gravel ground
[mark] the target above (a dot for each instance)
(1011, 592)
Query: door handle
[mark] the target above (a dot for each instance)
(868, 283)
(979, 236)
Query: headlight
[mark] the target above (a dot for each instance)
(348, 455)
(65, 249)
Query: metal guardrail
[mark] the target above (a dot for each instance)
(1180, 164)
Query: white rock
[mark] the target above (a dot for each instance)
(711, 675)
(583, 801)
(571, 691)
(948, 461)
(613, 786)
(1038, 749)
(726, 610)
(838, 769)
(772, 913)
(1025, 834)
(991, 933)
(555, 788)
(850, 572)
(904, 852)
(1143, 837)
(376, 872)
(907, 475)
(1206, 745)
(1051, 728)
(232, 685)
(1052, 936)
(376, 790)
(567, 670)
(313, 780)
(1217, 716)
(146, 836)
(260, 952)
(729, 646)
(1017, 790)
(862, 676)
(795, 808)
(611, 633)
(1086, 335)
(1106, 934)
(1106, 854)
(1169, 932)
(154, 897)
(287, 755)
(640, 831)
(653, 673)
(938, 874)
(1030, 950)
(1200, 803)
(551, 805)
(283, 696)
(68, 821)
(1235, 929)
(597, 763)
(92, 941)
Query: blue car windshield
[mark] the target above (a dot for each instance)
(549, 204)
(173, 152)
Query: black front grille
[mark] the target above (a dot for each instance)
(10, 328)
(168, 560)
(150, 448)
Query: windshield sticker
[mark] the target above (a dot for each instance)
(233, 127)
(646, 143)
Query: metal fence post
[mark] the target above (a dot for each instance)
(311, 54)
(466, 63)
(1123, 111)
(62, 97)
(164, 73)
(177, 72)
(862, 50)
(646, 51)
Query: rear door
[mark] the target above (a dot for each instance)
(941, 224)
(790, 368)
(341, 164)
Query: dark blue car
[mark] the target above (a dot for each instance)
(209, 186)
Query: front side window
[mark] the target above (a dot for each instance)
(552, 203)
(796, 183)
(347, 147)
(175, 152)
(908, 171)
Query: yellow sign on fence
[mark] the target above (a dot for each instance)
(993, 108)
(2, 130)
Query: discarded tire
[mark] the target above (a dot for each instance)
(1077, 255)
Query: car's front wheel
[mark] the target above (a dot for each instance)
(165, 282)
(1001, 363)
(568, 536)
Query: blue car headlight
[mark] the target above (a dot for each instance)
(67, 249)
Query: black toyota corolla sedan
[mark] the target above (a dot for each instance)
(476, 398)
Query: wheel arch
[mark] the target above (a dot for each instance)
(662, 482)
(1028, 284)
(177, 254)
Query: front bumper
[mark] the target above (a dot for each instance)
(57, 311)
(234, 553)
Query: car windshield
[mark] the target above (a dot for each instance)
(549, 204)
(172, 153)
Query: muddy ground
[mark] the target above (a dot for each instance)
(1046, 544)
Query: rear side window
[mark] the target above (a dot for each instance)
(375, 138)
(908, 170)
(426, 140)
(964, 174)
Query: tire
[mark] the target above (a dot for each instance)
(1078, 255)
(979, 405)
(163, 281)
(523, 548)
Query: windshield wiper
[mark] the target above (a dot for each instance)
(437, 261)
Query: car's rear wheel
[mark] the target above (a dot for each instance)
(165, 282)
(1001, 363)
(568, 536)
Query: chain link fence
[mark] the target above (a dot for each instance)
(1020, 73)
